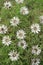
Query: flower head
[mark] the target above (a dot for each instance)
(19, 1)
(35, 28)
(36, 50)
(21, 34)
(14, 56)
(6, 40)
(24, 10)
(3, 29)
(14, 21)
(35, 61)
(7, 4)
(41, 19)
(22, 44)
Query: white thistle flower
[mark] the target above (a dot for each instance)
(3, 29)
(14, 21)
(24, 10)
(22, 44)
(7, 4)
(6, 40)
(41, 19)
(21, 34)
(14, 56)
(35, 28)
(36, 50)
(35, 61)
(19, 1)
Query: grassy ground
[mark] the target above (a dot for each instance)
(36, 9)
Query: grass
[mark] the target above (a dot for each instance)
(36, 9)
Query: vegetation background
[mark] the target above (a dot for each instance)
(36, 9)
